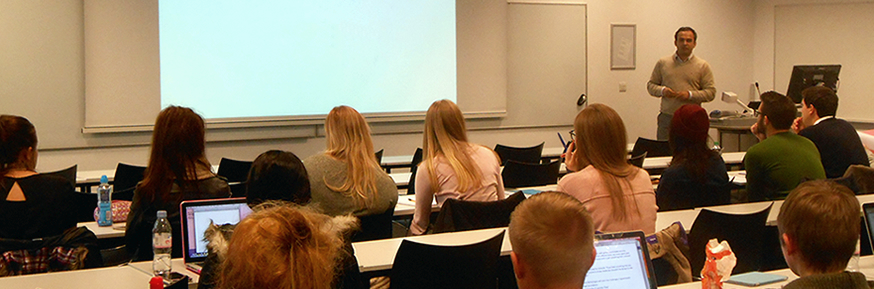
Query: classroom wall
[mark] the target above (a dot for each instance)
(44, 58)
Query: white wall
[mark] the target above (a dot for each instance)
(44, 59)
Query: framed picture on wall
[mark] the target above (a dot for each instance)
(622, 46)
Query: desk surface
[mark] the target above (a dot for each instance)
(866, 265)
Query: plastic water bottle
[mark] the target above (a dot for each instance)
(104, 203)
(162, 245)
(716, 147)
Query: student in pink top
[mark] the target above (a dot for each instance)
(452, 167)
(618, 195)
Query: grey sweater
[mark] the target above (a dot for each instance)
(323, 170)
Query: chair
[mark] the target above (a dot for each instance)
(419, 265)
(68, 174)
(84, 205)
(525, 155)
(414, 167)
(379, 156)
(744, 232)
(375, 227)
(518, 174)
(126, 179)
(637, 160)
(236, 173)
(457, 215)
(653, 148)
(115, 256)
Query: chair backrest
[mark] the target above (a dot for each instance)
(637, 160)
(115, 256)
(126, 178)
(379, 156)
(745, 234)
(456, 215)
(419, 265)
(68, 174)
(517, 174)
(236, 172)
(414, 167)
(83, 206)
(653, 148)
(530, 155)
(375, 227)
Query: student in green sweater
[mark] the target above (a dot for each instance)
(782, 159)
(679, 79)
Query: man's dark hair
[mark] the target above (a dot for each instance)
(685, 28)
(822, 98)
(779, 109)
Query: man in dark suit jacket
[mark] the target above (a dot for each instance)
(837, 141)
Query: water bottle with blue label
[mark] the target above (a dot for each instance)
(104, 203)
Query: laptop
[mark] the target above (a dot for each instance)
(868, 214)
(621, 262)
(196, 216)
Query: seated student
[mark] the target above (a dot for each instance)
(819, 228)
(178, 170)
(285, 247)
(553, 242)
(346, 179)
(32, 205)
(837, 141)
(452, 167)
(782, 159)
(274, 176)
(618, 195)
(697, 175)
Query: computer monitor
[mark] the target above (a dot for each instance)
(804, 76)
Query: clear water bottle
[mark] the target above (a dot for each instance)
(104, 203)
(162, 245)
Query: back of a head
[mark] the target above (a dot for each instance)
(689, 127)
(178, 145)
(779, 109)
(16, 135)
(277, 175)
(600, 138)
(349, 140)
(444, 127)
(281, 247)
(822, 217)
(822, 98)
(553, 233)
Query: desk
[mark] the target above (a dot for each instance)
(102, 232)
(739, 126)
(733, 158)
(110, 277)
(866, 264)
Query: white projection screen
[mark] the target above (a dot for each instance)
(268, 63)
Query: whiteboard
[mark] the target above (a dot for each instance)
(836, 33)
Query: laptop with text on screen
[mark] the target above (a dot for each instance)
(622, 262)
(196, 217)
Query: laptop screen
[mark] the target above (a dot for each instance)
(196, 217)
(621, 261)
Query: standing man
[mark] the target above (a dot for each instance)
(781, 160)
(838, 143)
(680, 79)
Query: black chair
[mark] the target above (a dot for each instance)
(653, 148)
(517, 175)
(126, 179)
(83, 206)
(414, 167)
(637, 160)
(115, 256)
(236, 173)
(68, 174)
(456, 215)
(375, 227)
(379, 156)
(530, 155)
(419, 265)
(744, 232)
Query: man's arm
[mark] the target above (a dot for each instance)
(654, 85)
(707, 91)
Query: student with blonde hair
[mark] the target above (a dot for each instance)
(285, 246)
(346, 178)
(553, 242)
(618, 195)
(452, 167)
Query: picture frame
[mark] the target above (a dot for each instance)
(623, 43)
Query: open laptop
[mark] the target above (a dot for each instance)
(622, 262)
(868, 213)
(196, 216)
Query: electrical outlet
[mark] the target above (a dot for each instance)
(623, 86)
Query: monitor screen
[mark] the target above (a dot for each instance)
(804, 76)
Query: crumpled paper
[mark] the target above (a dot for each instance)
(717, 268)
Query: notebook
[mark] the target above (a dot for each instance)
(196, 216)
(621, 262)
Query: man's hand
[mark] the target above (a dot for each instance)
(670, 93)
(758, 133)
(798, 125)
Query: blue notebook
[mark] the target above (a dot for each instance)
(753, 279)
